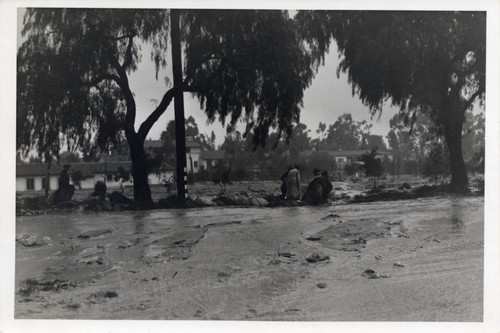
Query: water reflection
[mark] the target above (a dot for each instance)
(457, 218)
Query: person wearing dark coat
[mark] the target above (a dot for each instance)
(314, 192)
(66, 190)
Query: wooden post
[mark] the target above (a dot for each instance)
(180, 131)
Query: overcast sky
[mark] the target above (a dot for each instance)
(325, 100)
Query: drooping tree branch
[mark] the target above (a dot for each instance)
(128, 53)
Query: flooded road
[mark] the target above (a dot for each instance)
(419, 260)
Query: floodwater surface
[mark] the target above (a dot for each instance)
(419, 260)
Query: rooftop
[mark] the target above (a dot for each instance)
(40, 169)
(358, 152)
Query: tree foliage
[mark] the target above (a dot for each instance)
(423, 62)
(74, 67)
(247, 64)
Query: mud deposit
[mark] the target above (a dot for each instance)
(419, 260)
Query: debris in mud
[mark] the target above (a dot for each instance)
(370, 273)
(292, 310)
(93, 233)
(286, 254)
(223, 276)
(220, 224)
(321, 285)
(31, 286)
(378, 257)
(314, 238)
(360, 240)
(31, 240)
(330, 216)
(91, 255)
(73, 306)
(127, 244)
(105, 294)
(315, 257)
(397, 264)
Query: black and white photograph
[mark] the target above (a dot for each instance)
(265, 167)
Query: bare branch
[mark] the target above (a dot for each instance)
(156, 114)
(120, 37)
(469, 102)
(99, 79)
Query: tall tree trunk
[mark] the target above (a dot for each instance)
(180, 131)
(142, 192)
(453, 136)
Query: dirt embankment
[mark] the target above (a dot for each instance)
(241, 194)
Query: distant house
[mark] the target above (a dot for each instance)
(349, 156)
(210, 158)
(196, 157)
(32, 176)
(344, 157)
(193, 155)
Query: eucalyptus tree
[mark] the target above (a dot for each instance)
(423, 62)
(75, 64)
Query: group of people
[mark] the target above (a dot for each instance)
(317, 191)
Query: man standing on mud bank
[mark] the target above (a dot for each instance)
(65, 191)
(293, 184)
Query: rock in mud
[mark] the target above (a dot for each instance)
(73, 306)
(93, 233)
(371, 274)
(226, 200)
(314, 238)
(360, 240)
(315, 257)
(254, 202)
(31, 240)
(321, 285)
(262, 202)
(241, 201)
(204, 201)
(397, 264)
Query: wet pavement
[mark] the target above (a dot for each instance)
(418, 260)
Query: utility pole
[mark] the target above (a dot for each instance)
(180, 131)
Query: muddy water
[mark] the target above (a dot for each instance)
(250, 263)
